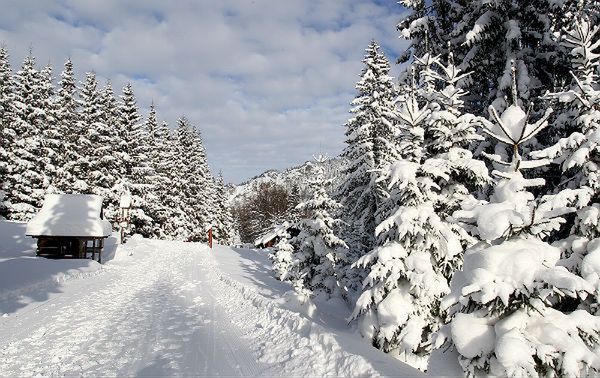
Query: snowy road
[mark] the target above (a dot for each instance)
(176, 308)
(154, 317)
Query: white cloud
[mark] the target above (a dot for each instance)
(267, 81)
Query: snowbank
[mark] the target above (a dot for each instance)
(24, 277)
(314, 343)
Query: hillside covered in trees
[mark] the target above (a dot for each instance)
(464, 228)
(79, 137)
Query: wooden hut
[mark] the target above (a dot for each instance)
(271, 238)
(70, 226)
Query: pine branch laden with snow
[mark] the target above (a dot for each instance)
(320, 255)
(513, 308)
(507, 319)
(485, 36)
(578, 154)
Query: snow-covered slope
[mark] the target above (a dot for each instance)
(164, 308)
(295, 177)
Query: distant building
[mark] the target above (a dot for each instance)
(271, 238)
(70, 226)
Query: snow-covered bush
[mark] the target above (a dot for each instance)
(509, 321)
(283, 259)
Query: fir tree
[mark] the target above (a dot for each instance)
(370, 146)
(194, 180)
(284, 264)
(450, 133)
(171, 216)
(71, 178)
(419, 247)
(100, 135)
(156, 144)
(53, 157)
(512, 293)
(223, 222)
(26, 182)
(320, 254)
(7, 132)
(486, 36)
(137, 171)
(578, 154)
(109, 174)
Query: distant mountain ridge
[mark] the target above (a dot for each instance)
(294, 177)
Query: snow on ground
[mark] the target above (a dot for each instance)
(25, 278)
(162, 308)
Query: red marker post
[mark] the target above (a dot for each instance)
(210, 236)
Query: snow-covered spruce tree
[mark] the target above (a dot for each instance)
(102, 165)
(578, 154)
(486, 35)
(202, 202)
(138, 172)
(71, 177)
(151, 152)
(223, 223)
(193, 182)
(7, 132)
(320, 254)
(509, 304)
(26, 182)
(108, 175)
(160, 203)
(180, 226)
(399, 306)
(450, 134)
(50, 133)
(283, 259)
(173, 220)
(370, 145)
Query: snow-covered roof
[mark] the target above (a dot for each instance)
(69, 215)
(125, 202)
(278, 231)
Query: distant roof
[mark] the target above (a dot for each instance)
(278, 231)
(69, 215)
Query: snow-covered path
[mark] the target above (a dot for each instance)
(156, 316)
(176, 308)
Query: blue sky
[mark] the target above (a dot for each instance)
(268, 82)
